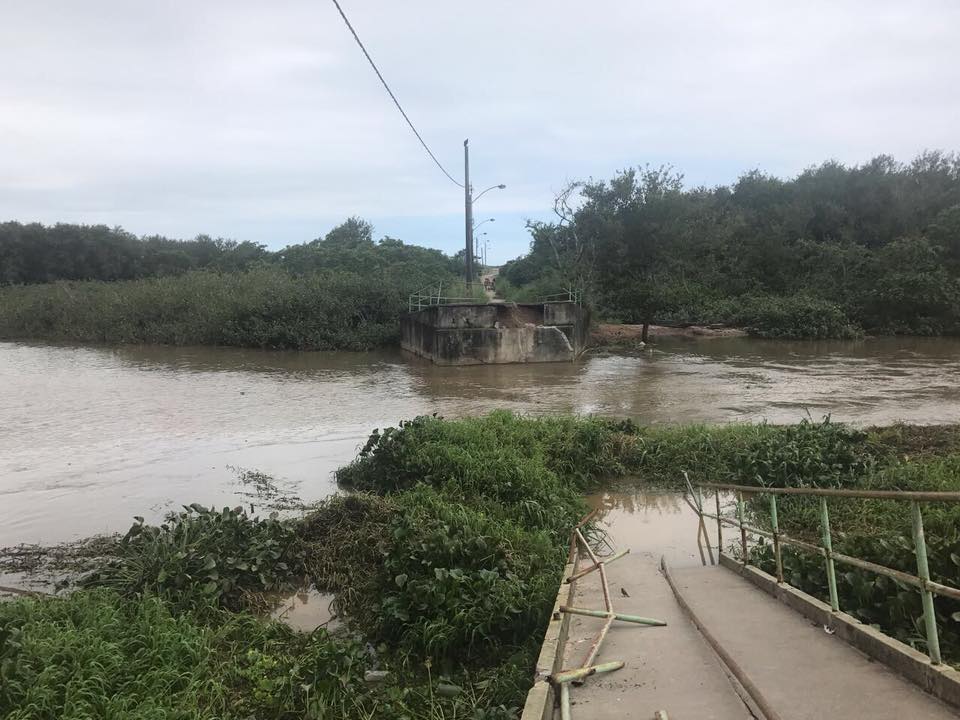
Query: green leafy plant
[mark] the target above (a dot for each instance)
(202, 555)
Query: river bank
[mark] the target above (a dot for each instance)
(424, 597)
(614, 335)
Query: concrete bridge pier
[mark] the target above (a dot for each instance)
(491, 333)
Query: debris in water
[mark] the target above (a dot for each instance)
(268, 492)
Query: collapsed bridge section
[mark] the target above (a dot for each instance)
(490, 333)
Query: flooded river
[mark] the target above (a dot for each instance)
(90, 437)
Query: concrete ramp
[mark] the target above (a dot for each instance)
(804, 672)
(667, 668)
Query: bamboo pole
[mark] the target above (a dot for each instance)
(605, 561)
(719, 527)
(617, 616)
(703, 558)
(597, 641)
(923, 570)
(565, 676)
(586, 546)
(743, 527)
(565, 701)
(776, 537)
(703, 526)
(828, 547)
(697, 507)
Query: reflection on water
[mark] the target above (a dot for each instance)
(306, 610)
(90, 437)
(651, 523)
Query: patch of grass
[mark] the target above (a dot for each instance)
(97, 654)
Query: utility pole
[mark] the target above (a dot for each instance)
(468, 209)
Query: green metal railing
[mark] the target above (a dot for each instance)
(474, 292)
(574, 296)
(463, 292)
(927, 588)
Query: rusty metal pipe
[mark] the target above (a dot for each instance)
(918, 495)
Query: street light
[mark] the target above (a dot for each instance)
(486, 246)
(483, 252)
(468, 207)
(492, 187)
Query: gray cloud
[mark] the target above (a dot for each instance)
(263, 121)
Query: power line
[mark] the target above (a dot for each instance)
(392, 96)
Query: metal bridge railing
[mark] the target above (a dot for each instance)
(926, 587)
(574, 296)
(433, 295)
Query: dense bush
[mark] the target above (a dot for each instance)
(35, 253)
(201, 556)
(824, 254)
(462, 580)
(796, 316)
(511, 488)
(541, 466)
(264, 307)
(340, 292)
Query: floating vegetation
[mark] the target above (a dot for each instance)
(265, 491)
(49, 568)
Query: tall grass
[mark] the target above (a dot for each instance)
(263, 307)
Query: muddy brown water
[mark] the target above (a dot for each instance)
(653, 523)
(90, 437)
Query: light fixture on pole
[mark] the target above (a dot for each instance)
(469, 200)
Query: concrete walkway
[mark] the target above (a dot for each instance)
(667, 668)
(491, 294)
(804, 673)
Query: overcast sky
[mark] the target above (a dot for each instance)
(262, 120)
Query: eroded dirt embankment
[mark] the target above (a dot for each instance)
(608, 334)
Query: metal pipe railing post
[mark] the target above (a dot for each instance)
(743, 527)
(703, 525)
(923, 570)
(828, 554)
(565, 701)
(776, 537)
(719, 526)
